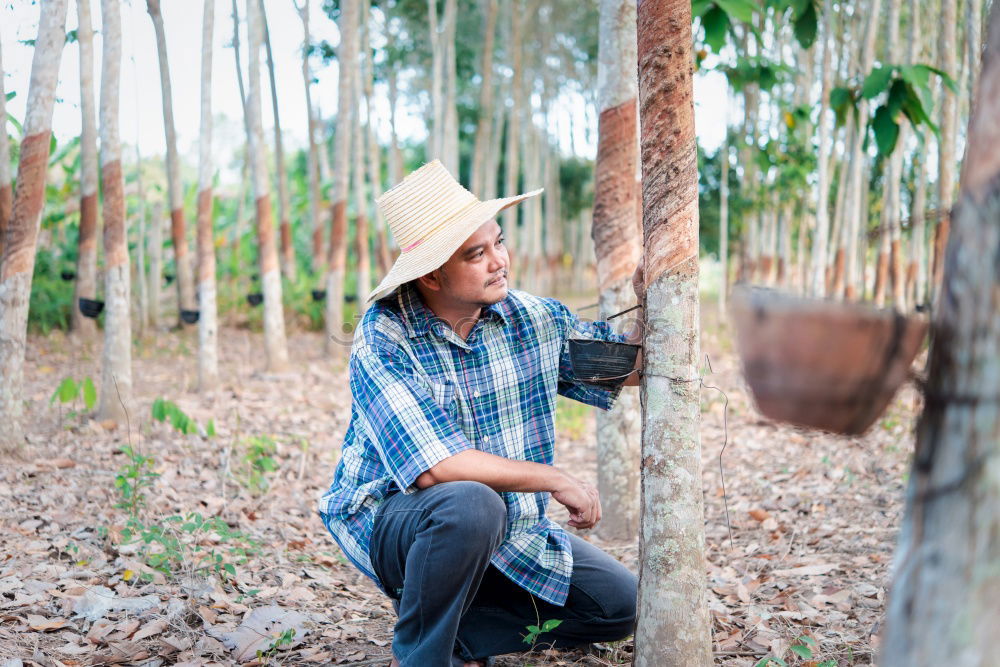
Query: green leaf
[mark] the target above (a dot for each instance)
(948, 81)
(210, 428)
(739, 10)
(11, 95)
(886, 130)
(160, 410)
(89, 393)
(806, 26)
(230, 568)
(66, 391)
(551, 624)
(917, 76)
(716, 23)
(806, 639)
(876, 81)
(699, 7)
(802, 651)
(899, 91)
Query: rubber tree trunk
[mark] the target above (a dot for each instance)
(116, 362)
(86, 262)
(948, 62)
(6, 189)
(889, 233)
(362, 241)
(484, 122)
(511, 162)
(373, 156)
(18, 261)
(155, 265)
(673, 626)
(817, 273)
(617, 246)
(312, 163)
(208, 347)
(946, 594)
(178, 226)
(858, 197)
(141, 247)
(724, 222)
(449, 138)
(435, 140)
(267, 251)
(284, 206)
(347, 56)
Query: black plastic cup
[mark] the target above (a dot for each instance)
(255, 298)
(602, 363)
(190, 316)
(91, 307)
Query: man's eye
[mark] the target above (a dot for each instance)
(500, 241)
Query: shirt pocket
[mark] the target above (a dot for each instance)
(443, 392)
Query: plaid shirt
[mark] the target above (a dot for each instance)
(421, 394)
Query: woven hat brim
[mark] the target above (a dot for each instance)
(433, 252)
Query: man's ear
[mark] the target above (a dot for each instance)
(431, 281)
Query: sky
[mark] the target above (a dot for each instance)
(141, 111)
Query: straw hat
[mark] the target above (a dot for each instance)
(431, 215)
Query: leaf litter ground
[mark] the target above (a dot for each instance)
(813, 516)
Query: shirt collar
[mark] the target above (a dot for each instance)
(418, 317)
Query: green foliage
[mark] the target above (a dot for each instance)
(718, 17)
(759, 71)
(69, 390)
(258, 463)
(534, 630)
(283, 639)
(133, 479)
(51, 296)
(168, 412)
(804, 17)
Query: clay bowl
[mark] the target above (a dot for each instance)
(318, 294)
(826, 365)
(596, 361)
(255, 298)
(190, 316)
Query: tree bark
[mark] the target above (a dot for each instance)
(946, 595)
(373, 155)
(86, 262)
(512, 166)
(434, 141)
(673, 627)
(274, 318)
(817, 275)
(616, 244)
(284, 207)
(18, 261)
(858, 193)
(116, 366)
(6, 190)
(312, 164)
(947, 61)
(449, 138)
(155, 265)
(484, 124)
(347, 56)
(140, 248)
(361, 234)
(178, 229)
(208, 347)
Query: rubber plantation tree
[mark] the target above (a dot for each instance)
(116, 362)
(208, 347)
(312, 165)
(946, 595)
(616, 244)
(86, 262)
(18, 261)
(270, 276)
(673, 624)
(175, 196)
(6, 191)
(284, 205)
(347, 56)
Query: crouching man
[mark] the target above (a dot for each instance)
(446, 470)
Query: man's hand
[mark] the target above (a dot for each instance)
(639, 281)
(582, 501)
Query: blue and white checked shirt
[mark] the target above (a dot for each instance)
(421, 394)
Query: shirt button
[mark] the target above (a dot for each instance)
(476, 393)
(486, 438)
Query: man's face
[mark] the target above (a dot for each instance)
(477, 272)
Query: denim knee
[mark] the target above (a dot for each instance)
(476, 511)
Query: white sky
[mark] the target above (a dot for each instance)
(141, 112)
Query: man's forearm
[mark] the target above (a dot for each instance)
(496, 472)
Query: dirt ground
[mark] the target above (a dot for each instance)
(813, 519)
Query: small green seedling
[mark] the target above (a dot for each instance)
(534, 631)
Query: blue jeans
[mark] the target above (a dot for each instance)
(431, 550)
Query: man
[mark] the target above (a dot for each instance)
(446, 469)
